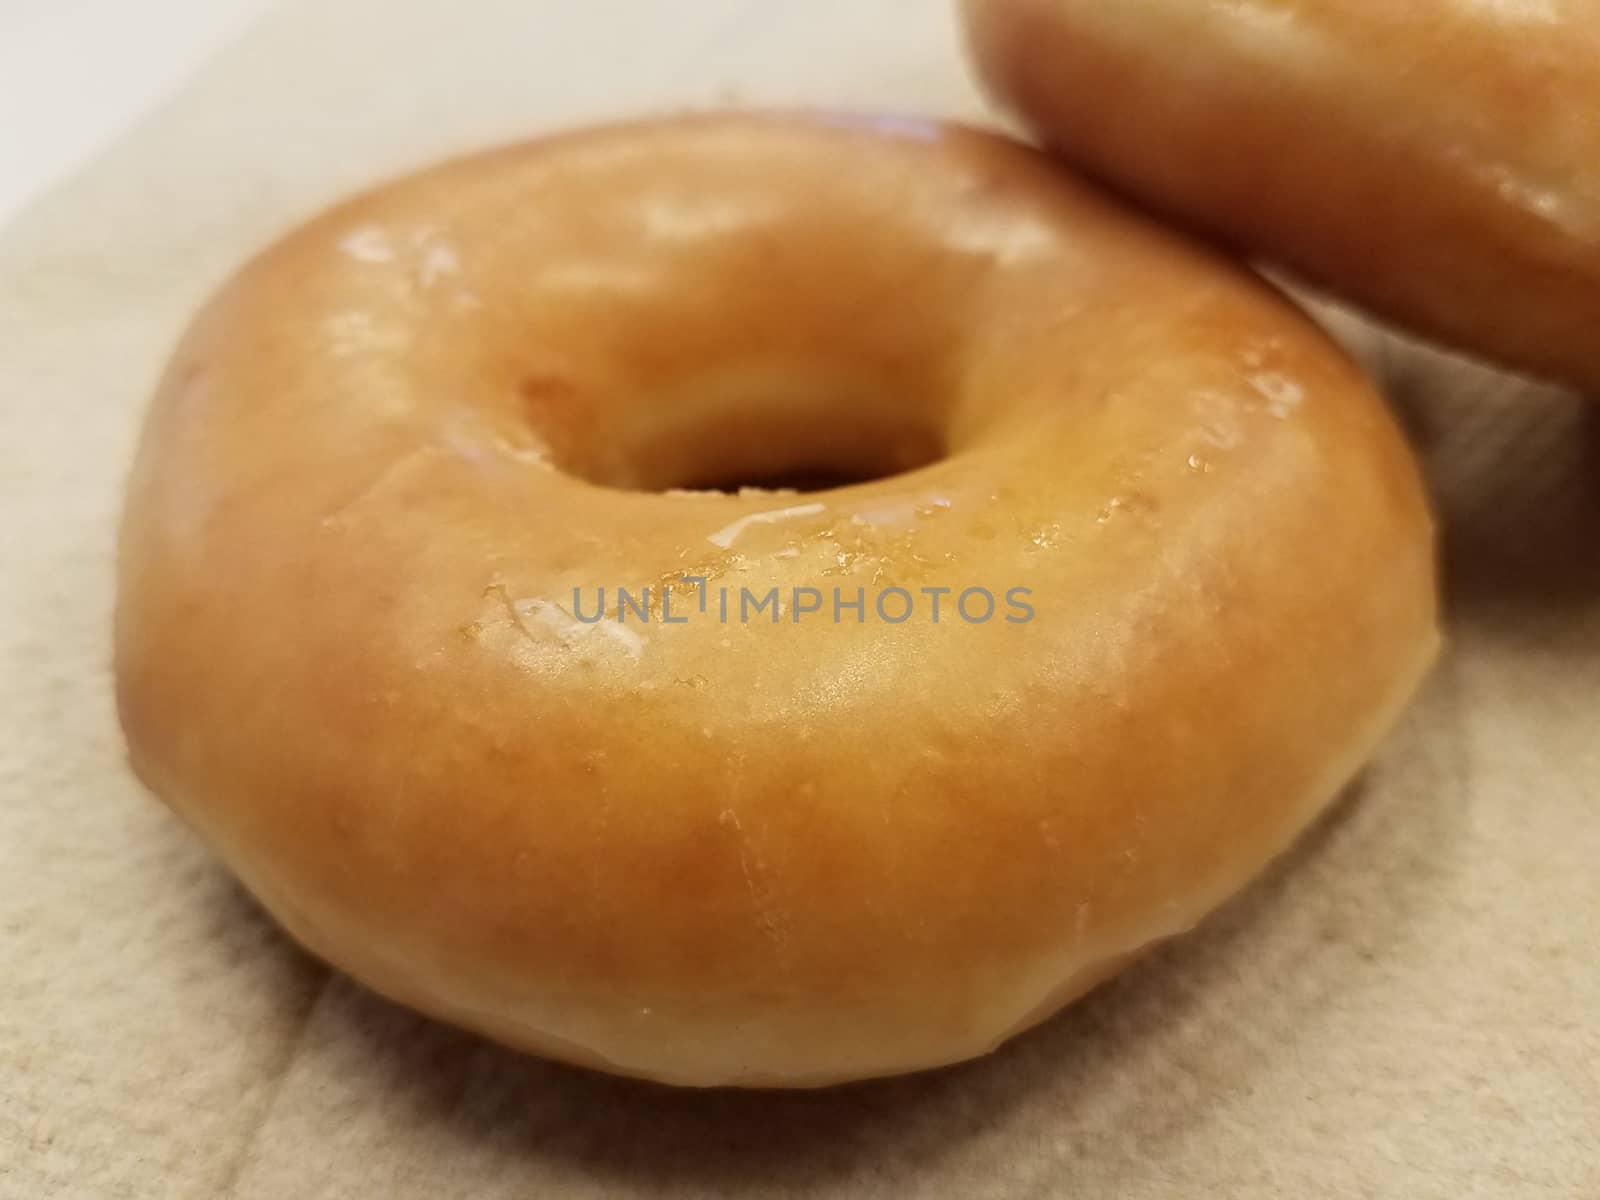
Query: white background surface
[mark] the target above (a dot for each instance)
(75, 73)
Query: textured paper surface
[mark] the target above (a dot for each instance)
(1407, 1006)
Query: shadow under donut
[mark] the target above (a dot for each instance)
(1513, 466)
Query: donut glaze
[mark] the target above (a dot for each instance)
(393, 460)
(1435, 160)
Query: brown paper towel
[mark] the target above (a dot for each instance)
(1407, 1006)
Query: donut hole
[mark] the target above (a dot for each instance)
(795, 433)
(783, 452)
(799, 479)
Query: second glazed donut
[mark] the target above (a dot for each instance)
(1437, 161)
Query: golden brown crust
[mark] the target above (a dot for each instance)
(1437, 162)
(756, 854)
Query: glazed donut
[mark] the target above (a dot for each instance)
(1437, 161)
(1184, 559)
